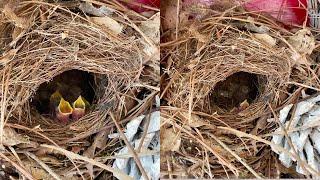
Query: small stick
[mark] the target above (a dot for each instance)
(19, 168)
(135, 156)
(44, 166)
(148, 118)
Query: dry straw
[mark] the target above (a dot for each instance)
(207, 52)
(42, 40)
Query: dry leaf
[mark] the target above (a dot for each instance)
(253, 27)
(16, 32)
(152, 51)
(11, 137)
(195, 32)
(151, 28)
(170, 141)
(36, 171)
(303, 41)
(43, 151)
(266, 38)
(90, 9)
(194, 121)
(109, 23)
(11, 16)
(76, 149)
(64, 35)
(51, 160)
(7, 57)
(244, 105)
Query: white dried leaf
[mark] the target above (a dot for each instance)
(158, 101)
(315, 99)
(134, 170)
(108, 23)
(146, 141)
(132, 127)
(277, 139)
(315, 111)
(294, 122)
(300, 142)
(315, 137)
(307, 113)
(151, 166)
(303, 107)
(122, 163)
(294, 136)
(154, 124)
(284, 157)
(304, 133)
(299, 169)
(284, 113)
(266, 38)
(310, 156)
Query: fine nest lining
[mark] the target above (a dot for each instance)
(235, 89)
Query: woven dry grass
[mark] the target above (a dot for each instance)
(209, 140)
(42, 40)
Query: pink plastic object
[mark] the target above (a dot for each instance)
(286, 11)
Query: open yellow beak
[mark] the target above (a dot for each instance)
(79, 107)
(64, 111)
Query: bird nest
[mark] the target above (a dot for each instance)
(224, 71)
(44, 43)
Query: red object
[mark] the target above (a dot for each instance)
(198, 2)
(152, 3)
(286, 11)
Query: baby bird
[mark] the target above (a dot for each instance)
(60, 108)
(79, 108)
(64, 111)
(55, 100)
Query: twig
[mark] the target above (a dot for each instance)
(19, 168)
(236, 156)
(177, 18)
(279, 148)
(148, 118)
(221, 159)
(117, 173)
(135, 156)
(4, 92)
(44, 166)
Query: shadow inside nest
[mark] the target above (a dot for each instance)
(235, 91)
(71, 84)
